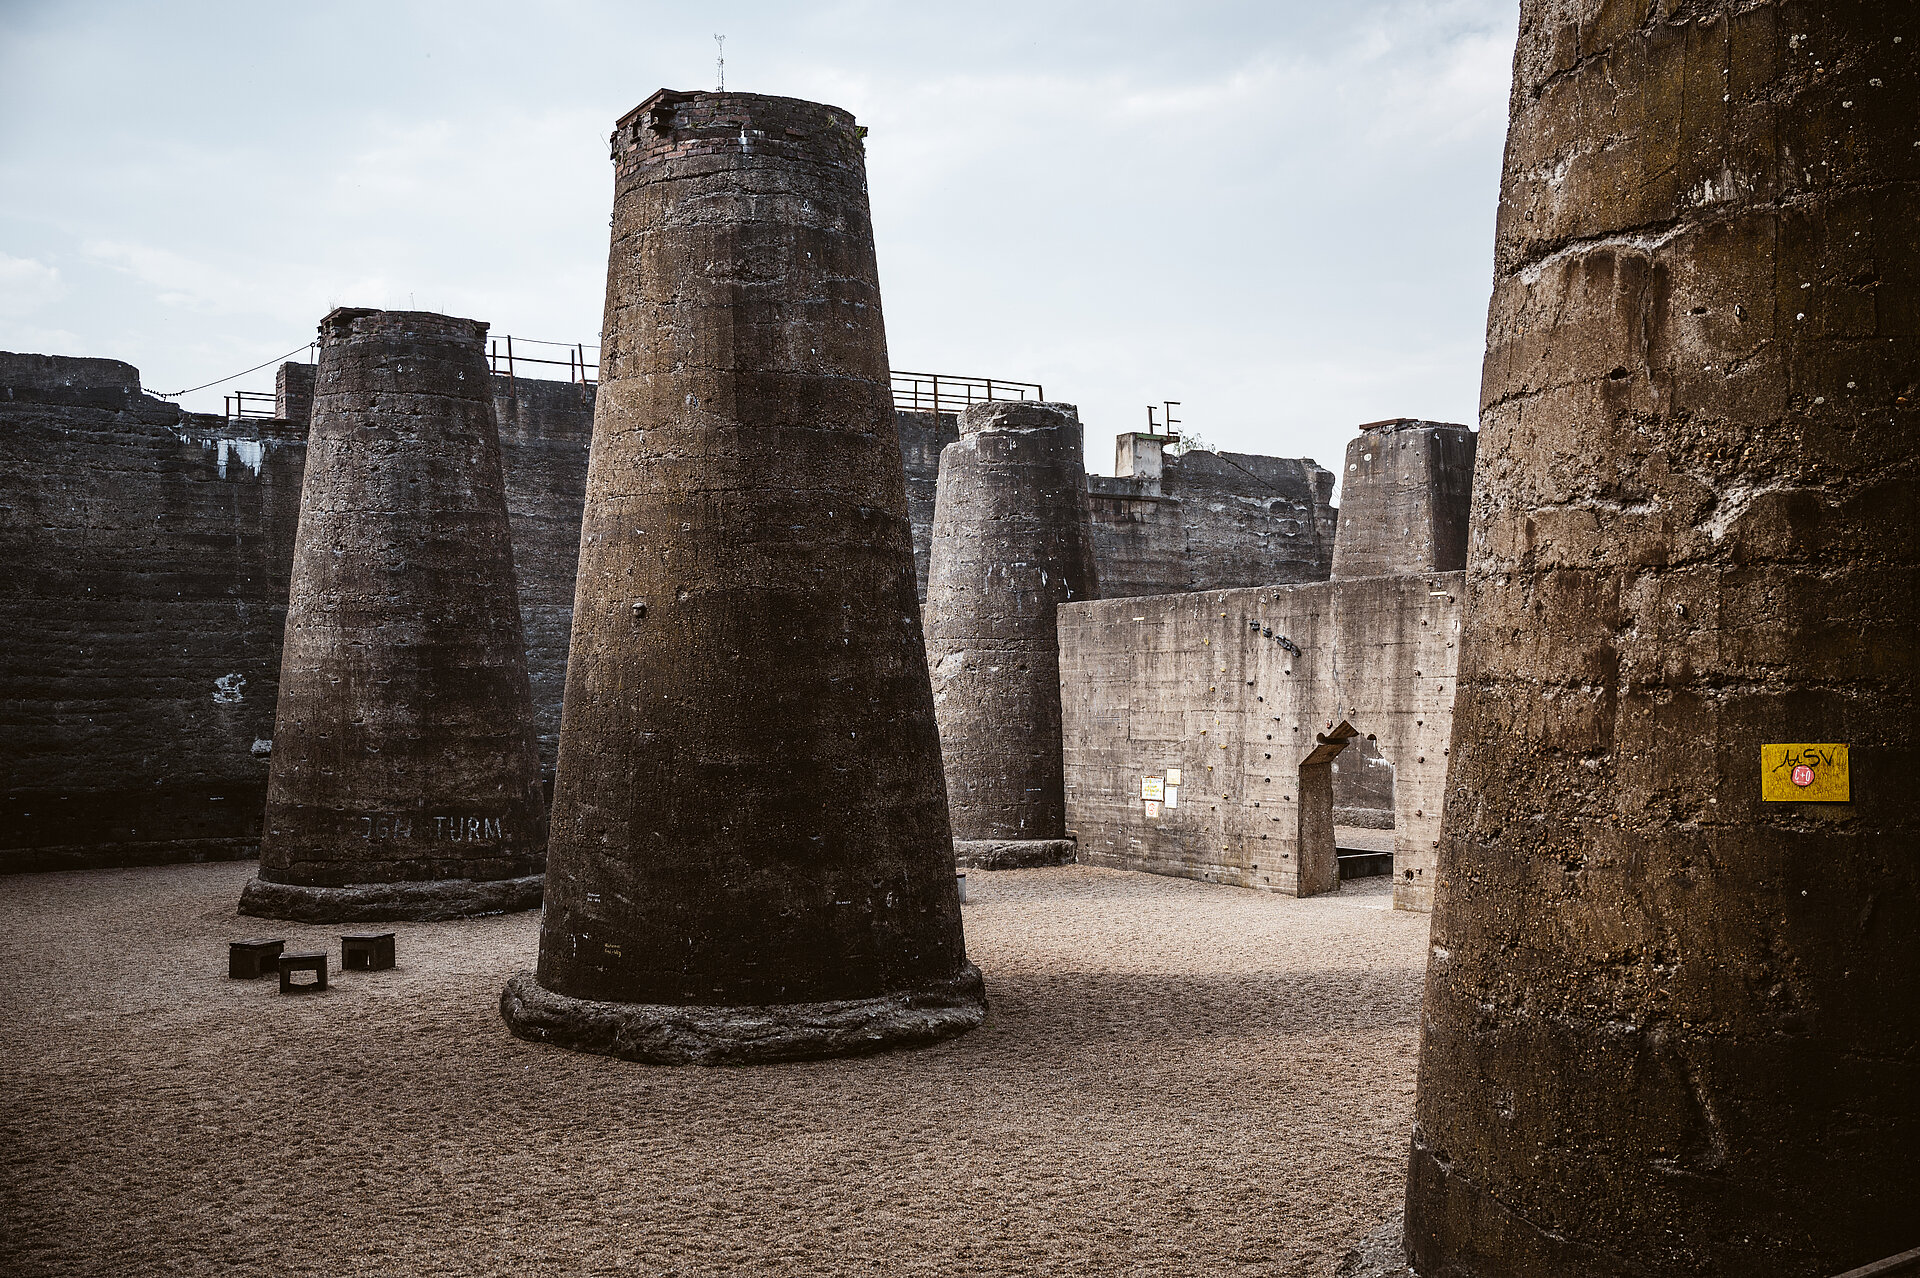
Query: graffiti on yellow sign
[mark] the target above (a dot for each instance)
(1804, 774)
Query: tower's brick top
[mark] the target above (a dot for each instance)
(1411, 423)
(674, 125)
(1017, 414)
(1404, 505)
(345, 323)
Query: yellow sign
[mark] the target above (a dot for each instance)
(1152, 788)
(1804, 774)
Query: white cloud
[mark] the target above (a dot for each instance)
(26, 285)
(1281, 214)
(176, 279)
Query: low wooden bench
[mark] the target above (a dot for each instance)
(251, 959)
(366, 951)
(314, 961)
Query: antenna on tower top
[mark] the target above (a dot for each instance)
(720, 64)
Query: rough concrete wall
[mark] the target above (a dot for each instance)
(234, 495)
(1213, 520)
(1250, 520)
(144, 594)
(1196, 682)
(545, 429)
(922, 436)
(1408, 485)
(150, 547)
(1671, 1028)
(1219, 520)
(1141, 540)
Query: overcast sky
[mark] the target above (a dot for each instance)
(1279, 214)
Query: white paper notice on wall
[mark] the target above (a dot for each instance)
(1152, 788)
(1173, 797)
(1153, 810)
(1173, 776)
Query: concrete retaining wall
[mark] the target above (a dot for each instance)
(1194, 682)
(148, 552)
(1207, 521)
(143, 601)
(145, 597)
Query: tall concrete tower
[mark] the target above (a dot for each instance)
(404, 782)
(751, 858)
(1403, 499)
(1012, 541)
(1670, 1022)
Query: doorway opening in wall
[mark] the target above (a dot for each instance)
(1363, 809)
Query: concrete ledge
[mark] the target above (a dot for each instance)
(421, 902)
(121, 856)
(1455, 1226)
(667, 1034)
(1012, 854)
(1381, 1254)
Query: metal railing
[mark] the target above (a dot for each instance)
(250, 404)
(508, 357)
(504, 361)
(948, 393)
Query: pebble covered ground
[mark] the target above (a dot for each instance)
(1175, 1078)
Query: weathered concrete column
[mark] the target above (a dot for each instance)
(1404, 499)
(751, 854)
(1670, 1027)
(404, 783)
(1012, 541)
(1142, 458)
(293, 392)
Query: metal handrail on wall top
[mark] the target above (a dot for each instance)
(250, 404)
(950, 393)
(912, 392)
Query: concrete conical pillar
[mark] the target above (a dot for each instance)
(751, 856)
(1012, 541)
(404, 783)
(1670, 1022)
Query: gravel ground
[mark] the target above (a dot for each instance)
(1175, 1078)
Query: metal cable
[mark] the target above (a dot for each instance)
(242, 373)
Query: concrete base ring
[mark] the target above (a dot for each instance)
(428, 901)
(672, 1034)
(1012, 854)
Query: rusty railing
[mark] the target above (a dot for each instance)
(948, 393)
(509, 357)
(249, 404)
(504, 361)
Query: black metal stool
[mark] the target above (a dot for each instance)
(250, 959)
(366, 951)
(314, 961)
